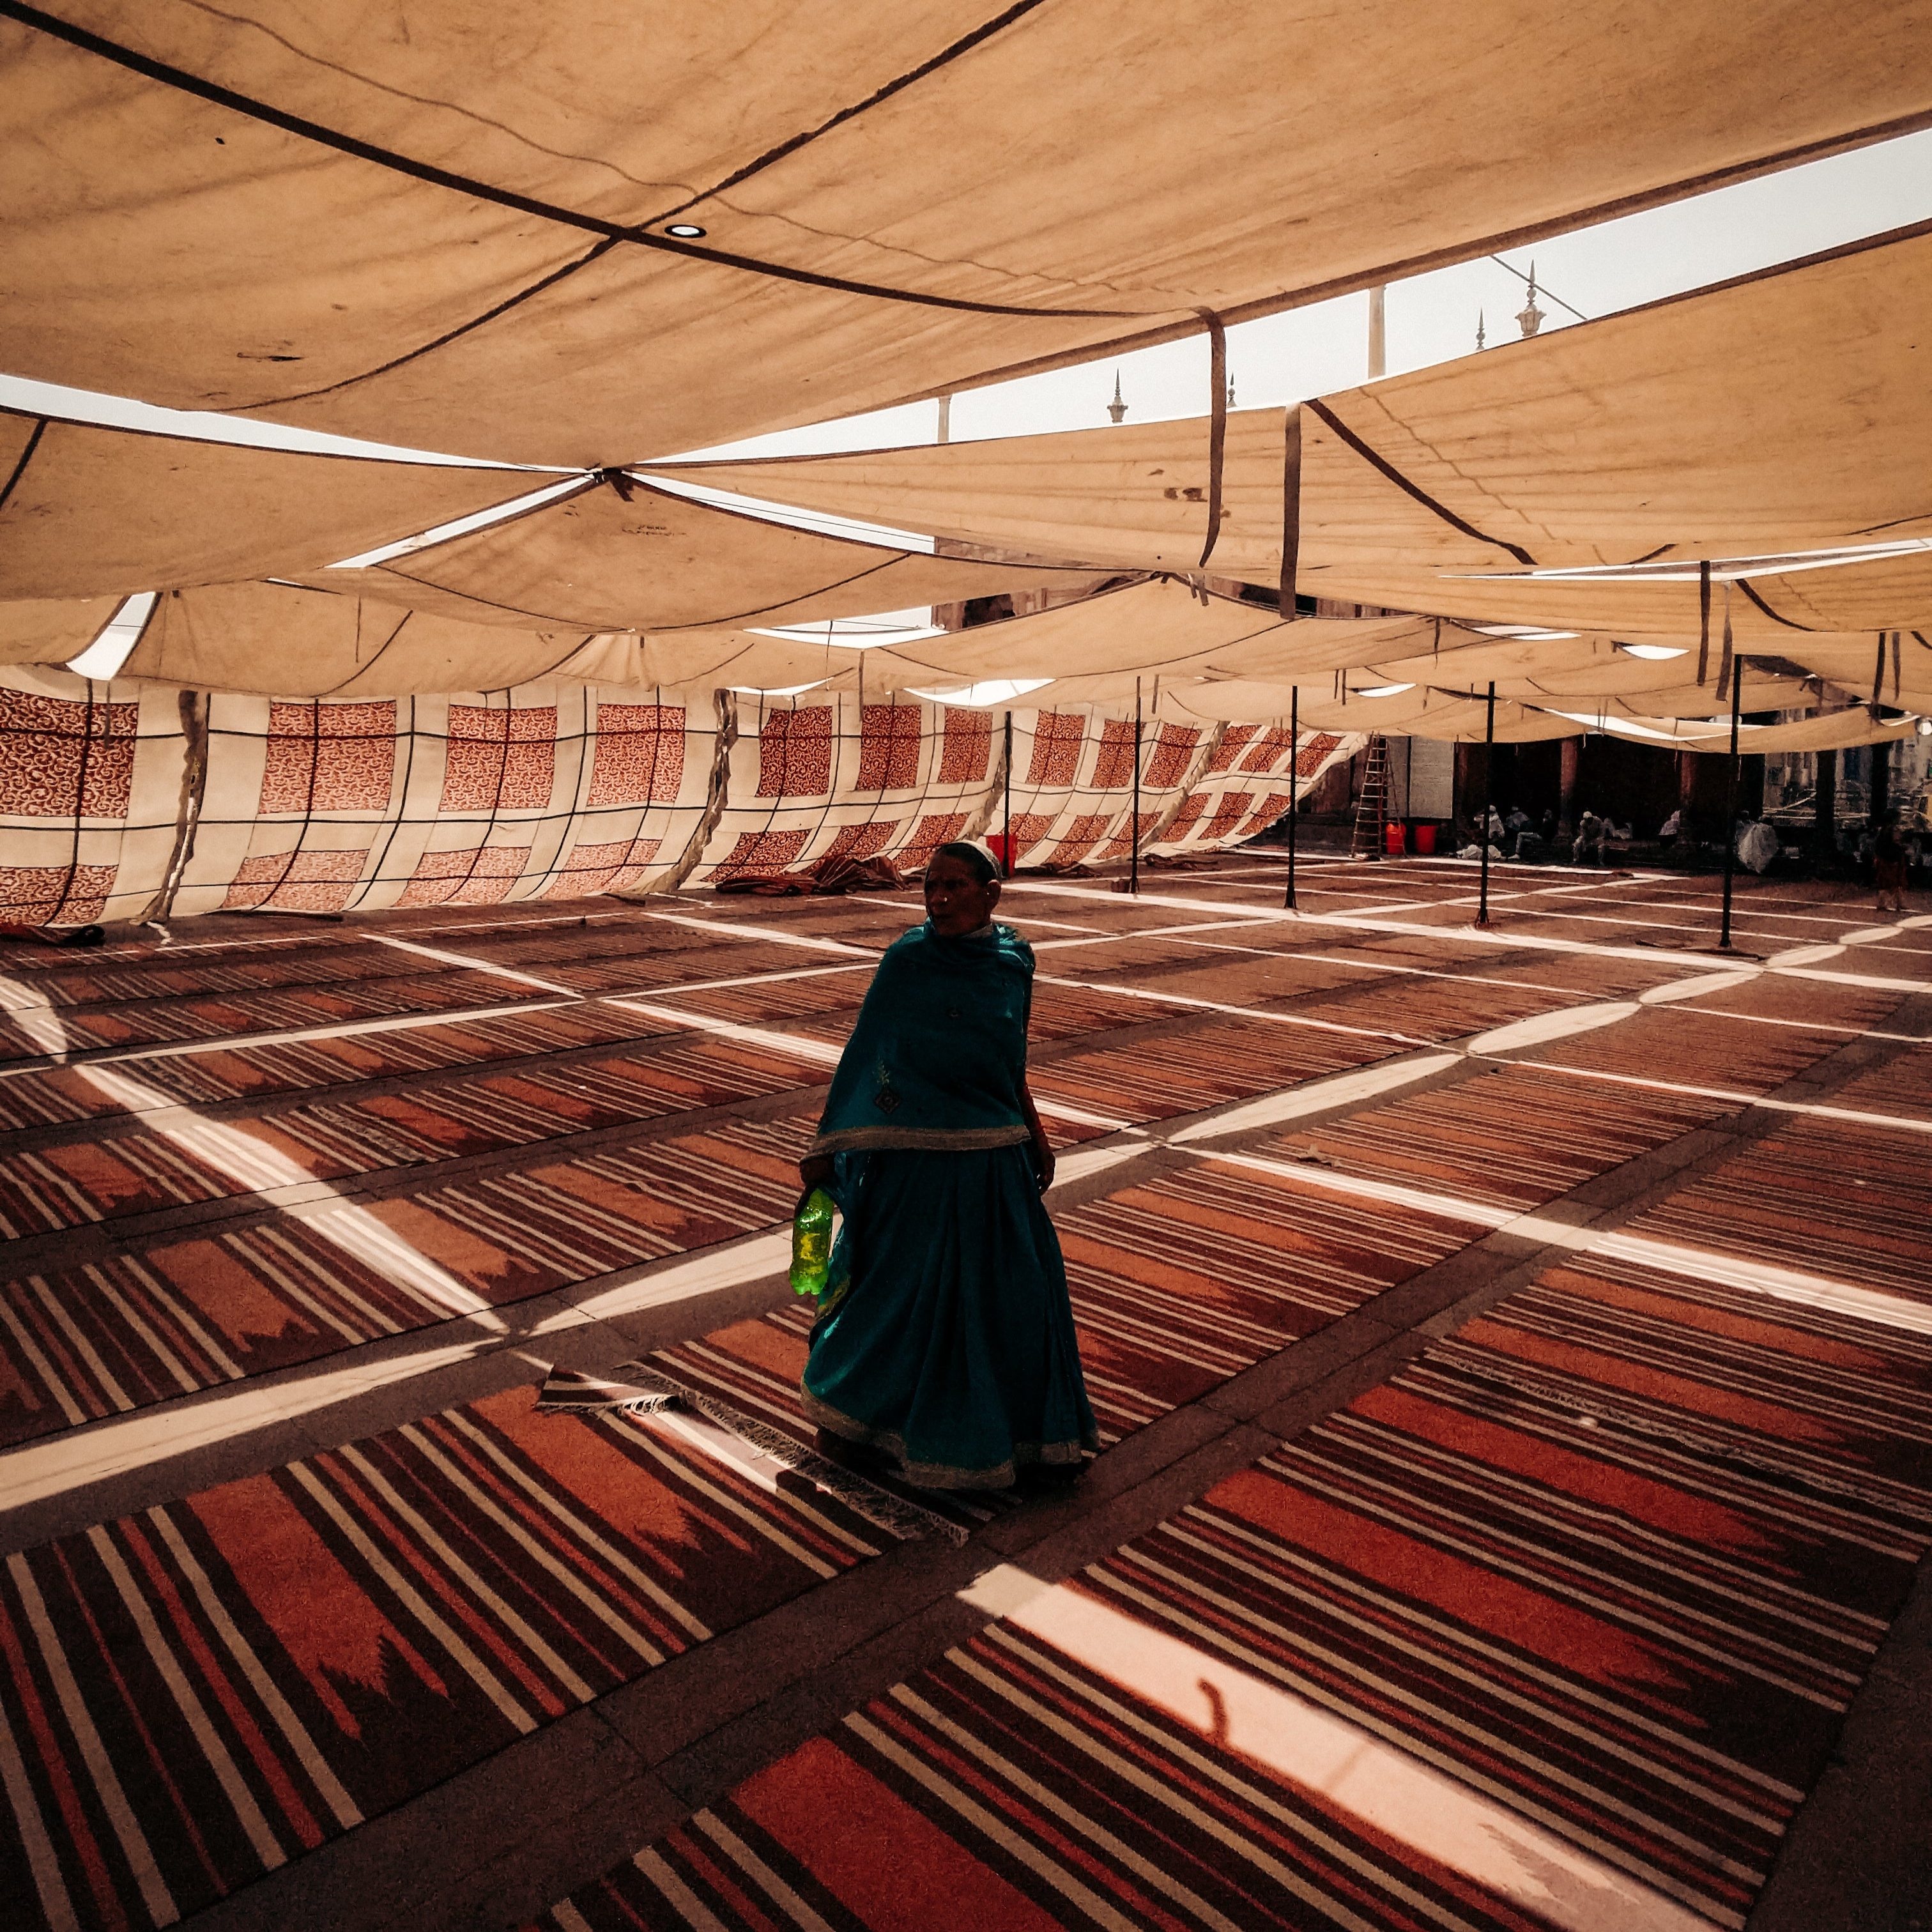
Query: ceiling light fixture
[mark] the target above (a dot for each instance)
(684, 231)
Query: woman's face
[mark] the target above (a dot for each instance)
(955, 901)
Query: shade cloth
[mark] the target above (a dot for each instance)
(1783, 411)
(284, 641)
(646, 559)
(456, 236)
(51, 630)
(90, 512)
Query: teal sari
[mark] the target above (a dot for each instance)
(947, 1336)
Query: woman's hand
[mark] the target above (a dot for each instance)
(1042, 1148)
(1042, 1161)
(814, 1170)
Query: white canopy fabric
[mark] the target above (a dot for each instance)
(457, 236)
(1786, 411)
(88, 512)
(649, 560)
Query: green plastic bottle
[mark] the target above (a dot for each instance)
(812, 1244)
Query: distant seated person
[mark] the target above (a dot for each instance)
(1589, 848)
(1888, 856)
(1671, 827)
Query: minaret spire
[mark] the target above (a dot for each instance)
(1529, 318)
(1479, 332)
(1118, 408)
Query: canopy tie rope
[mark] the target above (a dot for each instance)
(1291, 513)
(1401, 482)
(1703, 623)
(1217, 425)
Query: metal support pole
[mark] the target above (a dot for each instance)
(1731, 802)
(1293, 774)
(1489, 786)
(1134, 823)
(1006, 770)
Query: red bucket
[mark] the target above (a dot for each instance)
(1425, 839)
(1395, 838)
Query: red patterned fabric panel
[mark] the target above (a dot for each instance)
(760, 852)
(502, 761)
(928, 836)
(329, 758)
(602, 869)
(46, 745)
(639, 758)
(45, 895)
(480, 876)
(889, 737)
(1114, 764)
(862, 841)
(1269, 749)
(1308, 760)
(1082, 836)
(967, 749)
(1229, 813)
(1167, 763)
(1233, 742)
(296, 881)
(795, 753)
(1057, 736)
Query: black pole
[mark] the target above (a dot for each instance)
(1731, 802)
(1007, 781)
(1489, 783)
(1134, 823)
(1294, 773)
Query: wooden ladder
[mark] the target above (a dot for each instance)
(1372, 807)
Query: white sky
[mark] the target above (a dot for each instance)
(1311, 351)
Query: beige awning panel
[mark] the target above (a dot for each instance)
(660, 562)
(1134, 497)
(1825, 731)
(51, 630)
(92, 511)
(1784, 412)
(455, 236)
(1776, 612)
(280, 641)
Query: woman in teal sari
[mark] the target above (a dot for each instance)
(945, 1344)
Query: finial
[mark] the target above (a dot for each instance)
(1479, 330)
(1118, 408)
(1529, 318)
(1230, 392)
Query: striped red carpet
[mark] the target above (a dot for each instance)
(47, 1097)
(1534, 1634)
(192, 1696)
(1514, 1137)
(176, 1315)
(1206, 1067)
(1691, 1048)
(1835, 1198)
(68, 1184)
(148, 1021)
